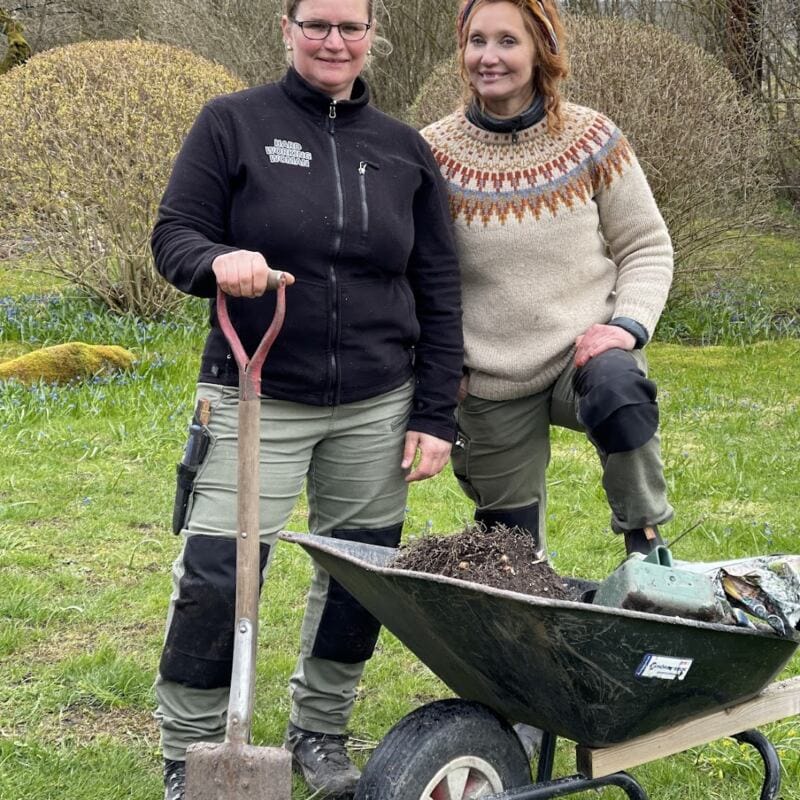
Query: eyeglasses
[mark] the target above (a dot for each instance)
(317, 29)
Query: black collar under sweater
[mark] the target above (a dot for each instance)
(530, 116)
(315, 101)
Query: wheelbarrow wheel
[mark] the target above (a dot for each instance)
(447, 750)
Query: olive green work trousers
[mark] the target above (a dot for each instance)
(348, 458)
(503, 450)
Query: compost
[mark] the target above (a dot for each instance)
(502, 557)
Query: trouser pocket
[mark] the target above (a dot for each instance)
(460, 459)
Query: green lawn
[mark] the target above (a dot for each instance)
(86, 483)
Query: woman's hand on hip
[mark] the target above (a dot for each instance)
(600, 338)
(244, 273)
(433, 455)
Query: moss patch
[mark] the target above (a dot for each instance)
(9, 350)
(63, 363)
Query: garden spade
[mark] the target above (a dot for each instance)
(234, 769)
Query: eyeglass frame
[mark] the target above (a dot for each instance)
(331, 25)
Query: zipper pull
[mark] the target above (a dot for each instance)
(332, 110)
(362, 168)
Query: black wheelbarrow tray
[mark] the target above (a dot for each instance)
(628, 687)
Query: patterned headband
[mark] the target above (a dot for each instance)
(544, 23)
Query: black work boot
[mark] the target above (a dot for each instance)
(322, 760)
(642, 540)
(174, 779)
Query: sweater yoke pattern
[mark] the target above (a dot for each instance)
(491, 177)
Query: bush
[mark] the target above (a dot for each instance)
(421, 33)
(244, 35)
(18, 48)
(88, 133)
(702, 144)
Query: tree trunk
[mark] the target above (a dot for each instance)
(744, 53)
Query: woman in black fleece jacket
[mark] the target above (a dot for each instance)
(305, 177)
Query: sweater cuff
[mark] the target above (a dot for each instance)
(634, 328)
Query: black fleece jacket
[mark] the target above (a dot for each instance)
(350, 201)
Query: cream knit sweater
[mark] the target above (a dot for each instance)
(554, 234)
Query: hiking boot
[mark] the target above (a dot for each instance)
(322, 760)
(174, 779)
(530, 738)
(642, 540)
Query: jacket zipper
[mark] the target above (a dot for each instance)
(362, 183)
(333, 383)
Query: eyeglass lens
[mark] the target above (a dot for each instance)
(320, 29)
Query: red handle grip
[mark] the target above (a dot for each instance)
(250, 367)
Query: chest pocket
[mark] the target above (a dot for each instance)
(364, 168)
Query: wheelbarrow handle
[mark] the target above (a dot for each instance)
(250, 366)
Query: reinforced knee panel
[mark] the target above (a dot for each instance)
(198, 651)
(617, 402)
(347, 632)
(526, 518)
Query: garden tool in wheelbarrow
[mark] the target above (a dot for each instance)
(653, 583)
(234, 769)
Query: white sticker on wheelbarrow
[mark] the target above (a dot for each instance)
(665, 668)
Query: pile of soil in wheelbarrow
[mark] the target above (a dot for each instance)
(502, 557)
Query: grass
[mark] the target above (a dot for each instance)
(86, 484)
(761, 301)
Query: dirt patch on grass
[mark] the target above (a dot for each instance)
(86, 724)
(64, 642)
(504, 558)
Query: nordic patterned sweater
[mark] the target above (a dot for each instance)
(554, 234)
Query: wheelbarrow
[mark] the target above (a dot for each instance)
(627, 687)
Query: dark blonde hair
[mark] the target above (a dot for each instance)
(551, 66)
(290, 7)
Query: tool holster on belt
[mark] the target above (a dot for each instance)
(193, 455)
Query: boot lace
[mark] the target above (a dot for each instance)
(330, 747)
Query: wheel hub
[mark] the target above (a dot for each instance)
(463, 778)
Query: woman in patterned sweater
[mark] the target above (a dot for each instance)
(566, 265)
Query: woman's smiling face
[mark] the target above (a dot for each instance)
(499, 55)
(331, 64)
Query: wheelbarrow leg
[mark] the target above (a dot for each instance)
(771, 759)
(547, 756)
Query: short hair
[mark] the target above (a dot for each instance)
(290, 7)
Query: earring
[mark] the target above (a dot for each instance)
(369, 52)
(289, 47)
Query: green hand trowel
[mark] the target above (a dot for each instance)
(650, 583)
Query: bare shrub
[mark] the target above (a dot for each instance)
(703, 145)
(758, 41)
(88, 133)
(244, 35)
(422, 33)
(18, 50)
